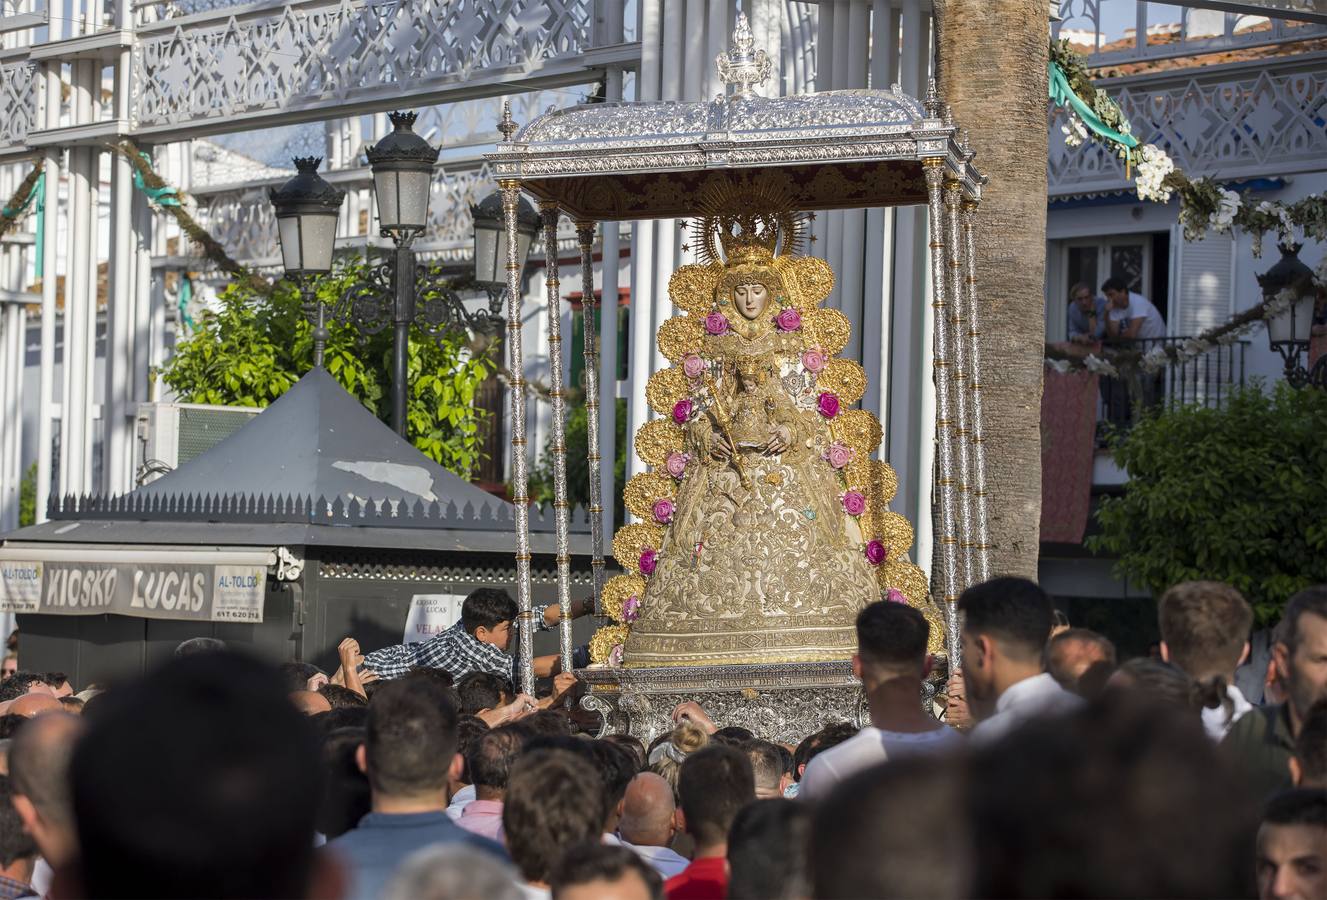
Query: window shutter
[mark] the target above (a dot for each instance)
(1202, 290)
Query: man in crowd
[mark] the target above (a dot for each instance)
(490, 761)
(602, 872)
(477, 643)
(767, 857)
(1006, 622)
(1087, 315)
(311, 703)
(1131, 316)
(714, 784)
(1205, 633)
(409, 748)
(554, 801)
(18, 853)
(1292, 847)
(1308, 767)
(483, 692)
(1263, 741)
(39, 761)
(200, 779)
(616, 767)
(891, 661)
(649, 821)
(767, 767)
(1075, 652)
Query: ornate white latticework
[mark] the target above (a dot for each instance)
(18, 100)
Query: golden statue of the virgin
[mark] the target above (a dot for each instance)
(764, 523)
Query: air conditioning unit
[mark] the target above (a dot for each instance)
(170, 434)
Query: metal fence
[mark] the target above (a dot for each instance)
(1205, 380)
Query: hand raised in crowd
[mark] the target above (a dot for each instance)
(693, 712)
(957, 713)
(521, 706)
(348, 652)
(563, 684)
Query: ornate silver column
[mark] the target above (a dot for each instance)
(590, 329)
(959, 381)
(982, 544)
(558, 447)
(511, 195)
(944, 582)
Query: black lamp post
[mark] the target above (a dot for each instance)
(1289, 332)
(306, 212)
(491, 238)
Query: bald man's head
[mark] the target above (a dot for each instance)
(39, 768)
(1072, 652)
(33, 705)
(311, 703)
(648, 811)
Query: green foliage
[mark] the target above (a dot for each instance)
(578, 463)
(1233, 494)
(27, 498)
(255, 347)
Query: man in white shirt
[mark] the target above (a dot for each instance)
(1006, 623)
(649, 821)
(1205, 632)
(891, 661)
(1130, 315)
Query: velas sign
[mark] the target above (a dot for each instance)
(186, 590)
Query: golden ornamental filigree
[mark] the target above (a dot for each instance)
(858, 474)
(860, 430)
(632, 540)
(884, 481)
(815, 280)
(605, 639)
(845, 378)
(895, 532)
(646, 489)
(829, 330)
(656, 439)
(691, 288)
(904, 576)
(616, 591)
(679, 337)
(665, 388)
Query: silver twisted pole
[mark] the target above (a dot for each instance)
(558, 447)
(961, 377)
(511, 195)
(590, 322)
(982, 543)
(947, 578)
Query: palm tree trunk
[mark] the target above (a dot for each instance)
(992, 69)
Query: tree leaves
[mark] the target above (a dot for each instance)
(1233, 494)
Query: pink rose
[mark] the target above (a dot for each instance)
(615, 656)
(716, 323)
(677, 463)
(894, 595)
(788, 320)
(854, 504)
(663, 511)
(828, 404)
(838, 455)
(631, 609)
(648, 561)
(693, 366)
(813, 360)
(876, 553)
(682, 411)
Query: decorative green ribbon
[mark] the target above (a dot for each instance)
(1062, 94)
(186, 295)
(39, 191)
(162, 196)
(10, 212)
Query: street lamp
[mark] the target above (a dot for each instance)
(1288, 332)
(306, 212)
(491, 238)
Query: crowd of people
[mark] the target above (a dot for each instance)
(1054, 770)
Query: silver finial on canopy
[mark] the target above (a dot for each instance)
(743, 65)
(506, 125)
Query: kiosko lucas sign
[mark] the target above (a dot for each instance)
(189, 591)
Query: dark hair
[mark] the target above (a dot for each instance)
(892, 635)
(616, 766)
(442, 677)
(767, 847)
(482, 690)
(864, 841)
(342, 697)
(1311, 745)
(554, 800)
(15, 842)
(1205, 625)
(410, 739)
(343, 717)
(1310, 600)
(1161, 683)
(714, 783)
(200, 645)
(469, 729)
(1013, 611)
(1114, 283)
(733, 735)
(549, 722)
(10, 723)
(53, 679)
(631, 743)
(592, 861)
(18, 684)
(346, 797)
(826, 738)
(1141, 805)
(766, 763)
(1300, 806)
(296, 675)
(197, 781)
(490, 758)
(487, 608)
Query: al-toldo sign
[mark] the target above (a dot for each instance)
(189, 591)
